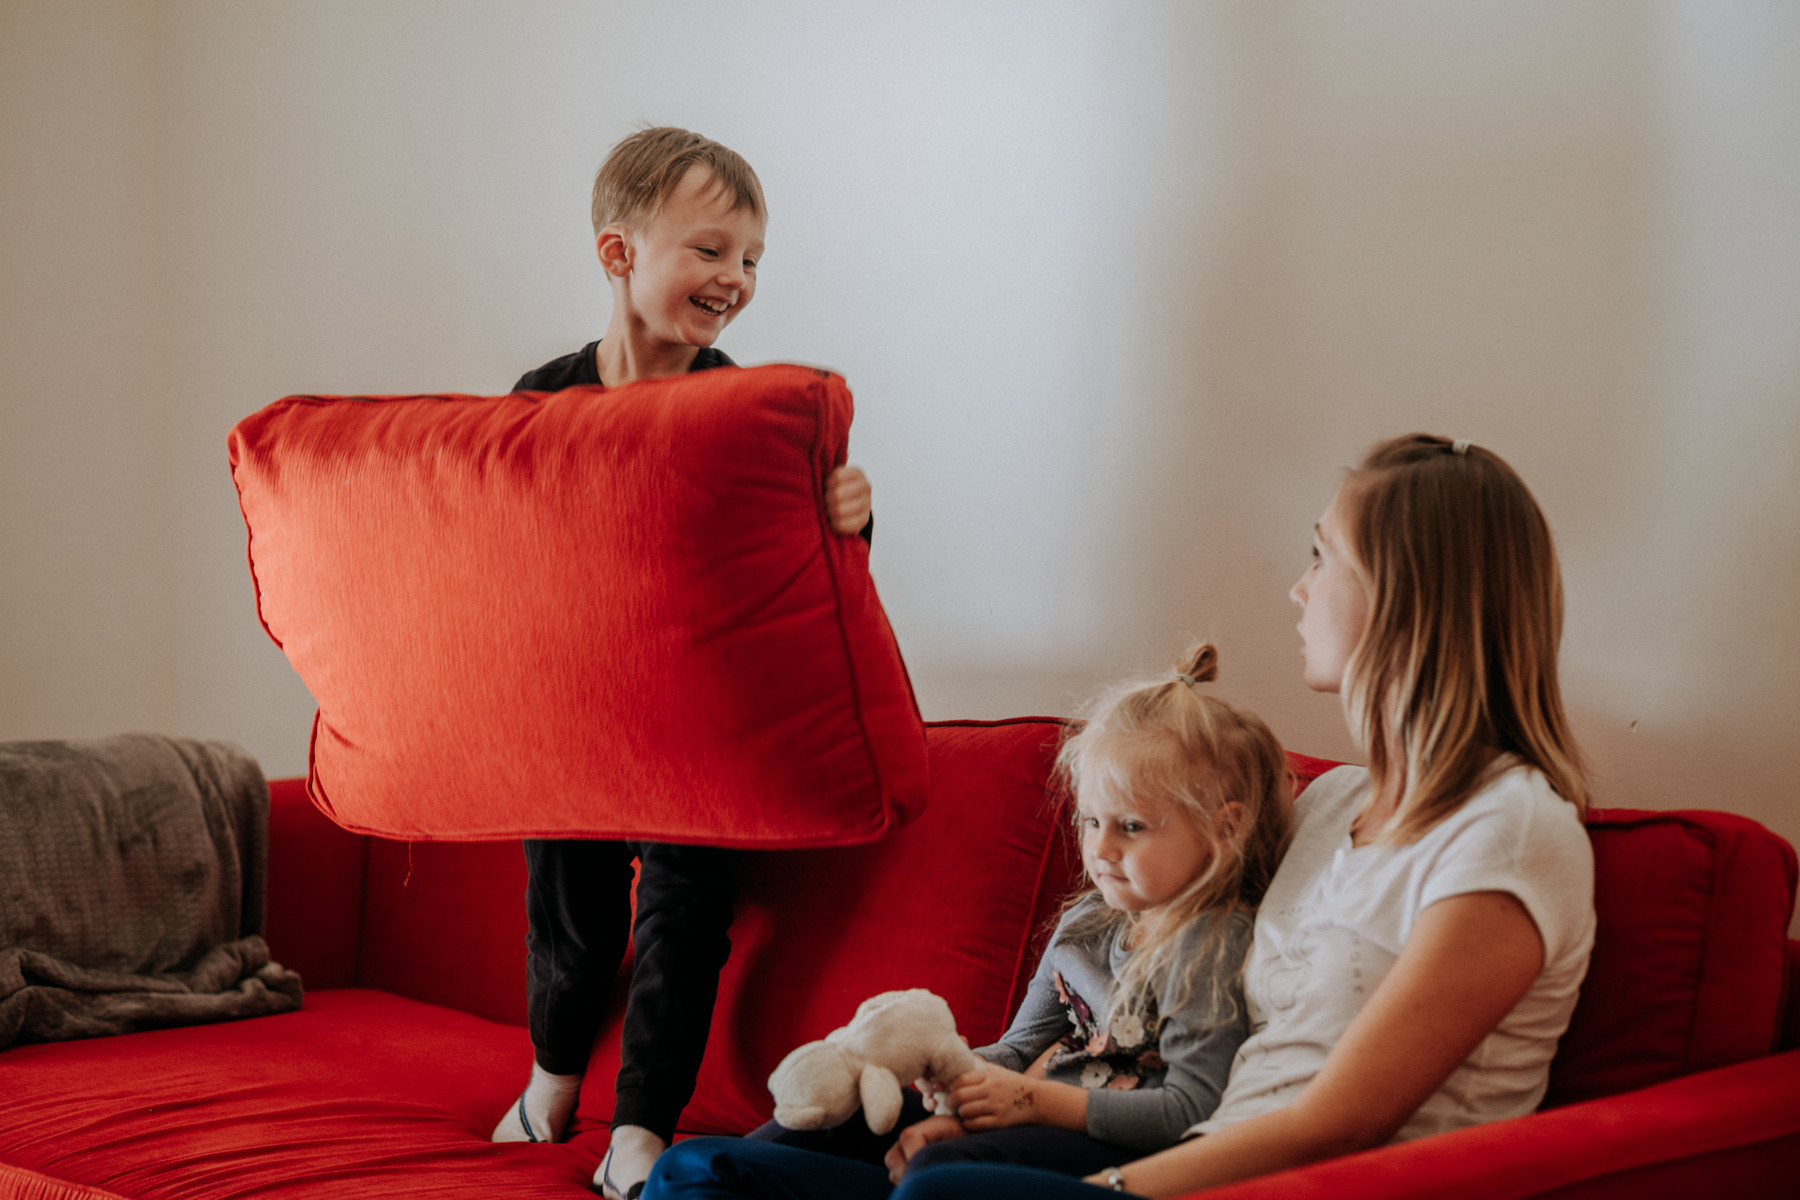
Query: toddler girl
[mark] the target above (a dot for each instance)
(1130, 1025)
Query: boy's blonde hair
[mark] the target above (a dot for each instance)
(643, 170)
(1465, 617)
(1169, 740)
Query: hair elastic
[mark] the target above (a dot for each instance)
(1460, 446)
(1187, 679)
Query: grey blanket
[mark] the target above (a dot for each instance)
(131, 888)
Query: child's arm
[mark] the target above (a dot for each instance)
(1469, 960)
(993, 1097)
(1012, 1089)
(848, 499)
(1197, 1039)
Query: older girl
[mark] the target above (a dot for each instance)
(1417, 955)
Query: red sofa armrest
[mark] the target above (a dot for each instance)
(313, 917)
(1734, 1131)
(1790, 1022)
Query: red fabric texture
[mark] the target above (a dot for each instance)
(594, 613)
(1790, 1031)
(359, 1094)
(1734, 1131)
(315, 890)
(16, 1184)
(1689, 961)
(1306, 768)
(446, 924)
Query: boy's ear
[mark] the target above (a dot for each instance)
(614, 248)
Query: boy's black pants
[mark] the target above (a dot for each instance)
(578, 902)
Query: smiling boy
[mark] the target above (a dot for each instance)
(678, 222)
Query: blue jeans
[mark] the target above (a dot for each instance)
(741, 1169)
(1061, 1150)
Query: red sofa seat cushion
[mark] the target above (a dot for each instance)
(1689, 962)
(359, 1094)
(596, 613)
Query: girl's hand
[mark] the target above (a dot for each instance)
(847, 499)
(915, 1138)
(992, 1097)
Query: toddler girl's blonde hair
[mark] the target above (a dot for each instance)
(1217, 766)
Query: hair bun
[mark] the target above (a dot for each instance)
(1199, 665)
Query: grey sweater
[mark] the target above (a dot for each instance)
(1151, 1075)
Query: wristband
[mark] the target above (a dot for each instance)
(1115, 1179)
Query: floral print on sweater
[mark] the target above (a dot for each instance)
(1120, 1056)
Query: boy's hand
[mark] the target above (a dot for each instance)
(915, 1138)
(847, 499)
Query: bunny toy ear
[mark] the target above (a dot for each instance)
(880, 1098)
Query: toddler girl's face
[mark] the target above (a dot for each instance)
(1140, 852)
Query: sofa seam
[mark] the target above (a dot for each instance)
(1714, 883)
(1021, 975)
(250, 553)
(819, 389)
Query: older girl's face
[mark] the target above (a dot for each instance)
(1334, 609)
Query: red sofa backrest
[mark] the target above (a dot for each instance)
(1690, 958)
(1687, 973)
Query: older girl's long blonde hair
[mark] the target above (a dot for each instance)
(1169, 740)
(1458, 663)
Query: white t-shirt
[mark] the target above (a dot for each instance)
(1336, 917)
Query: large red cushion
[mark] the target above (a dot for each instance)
(609, 613)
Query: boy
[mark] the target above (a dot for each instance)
(678, 222)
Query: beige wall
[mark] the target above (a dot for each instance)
(1120, 289)
(86, 607)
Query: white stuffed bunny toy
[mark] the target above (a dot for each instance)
(895, 1037)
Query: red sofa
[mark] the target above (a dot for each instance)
(1676, 1078)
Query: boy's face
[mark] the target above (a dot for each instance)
(692, 267)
